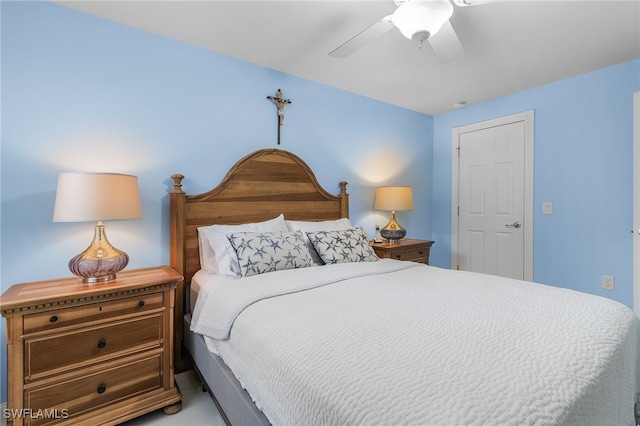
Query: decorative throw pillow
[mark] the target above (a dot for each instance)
(260, 252)
(325, 225)
(217, 255)
(349, 245)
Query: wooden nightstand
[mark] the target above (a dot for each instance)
(404, 249)
(91, 353)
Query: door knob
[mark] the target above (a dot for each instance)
(515, 224)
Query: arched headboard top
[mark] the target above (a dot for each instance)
(266, 174)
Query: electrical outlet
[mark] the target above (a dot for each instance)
(608, 282)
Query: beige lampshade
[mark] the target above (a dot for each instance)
(394, 198)
(86, 197)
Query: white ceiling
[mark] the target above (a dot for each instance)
(511, 46)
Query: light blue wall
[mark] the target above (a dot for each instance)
(583, 165)
(82, 93)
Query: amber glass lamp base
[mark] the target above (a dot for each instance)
(100, 261)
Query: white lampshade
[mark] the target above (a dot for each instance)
(88, 197)
(392, 198)
(83, 197)
(420, 19)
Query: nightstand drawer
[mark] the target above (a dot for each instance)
(82, 314)
(93, 391)
(73, 350)
(405, 249)
(416, 254)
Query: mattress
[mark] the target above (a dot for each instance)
(392, 342)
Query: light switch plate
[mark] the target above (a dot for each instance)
(547, 207)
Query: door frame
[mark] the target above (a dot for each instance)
(528, 118)
(636, 203)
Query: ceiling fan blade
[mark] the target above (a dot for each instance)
(446, 45)
(363, 38)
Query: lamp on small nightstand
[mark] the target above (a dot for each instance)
(394, 198)
(88, 197)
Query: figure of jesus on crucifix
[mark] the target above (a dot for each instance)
(280, 102)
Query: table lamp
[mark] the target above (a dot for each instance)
(394, 198)
(88, 197)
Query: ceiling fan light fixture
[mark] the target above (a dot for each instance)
(420, 19)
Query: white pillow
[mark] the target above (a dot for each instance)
(221, 258)
(207, 257)
(326, 225)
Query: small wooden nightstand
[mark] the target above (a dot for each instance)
(91, 353)
(404, 249)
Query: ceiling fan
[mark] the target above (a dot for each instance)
(418, 20)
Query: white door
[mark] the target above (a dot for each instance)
(492, 217)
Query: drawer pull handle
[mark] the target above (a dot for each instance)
(101, 389)
(420, 252)
(102, 343)
(398, 256)
(53, 319)
(141, 303)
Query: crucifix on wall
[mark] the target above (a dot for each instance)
(280, 102)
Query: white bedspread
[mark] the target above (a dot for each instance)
(391, 343)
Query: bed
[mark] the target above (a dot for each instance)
(329, 334)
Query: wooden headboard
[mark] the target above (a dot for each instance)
(259, 187)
